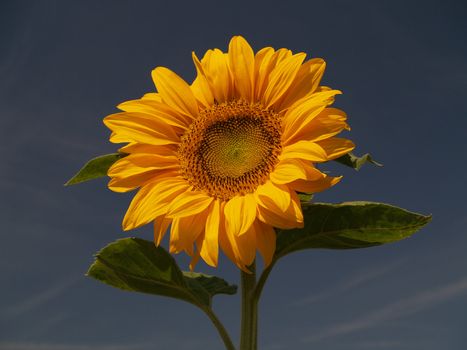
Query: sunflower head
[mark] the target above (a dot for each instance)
(220, 161)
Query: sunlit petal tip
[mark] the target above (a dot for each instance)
(241, 64)
(161, 224)
(194, 261)
(197, 62)
(336, 147)
(336, 180)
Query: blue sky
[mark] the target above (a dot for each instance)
(402, 66)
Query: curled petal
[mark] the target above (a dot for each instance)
(240, 213)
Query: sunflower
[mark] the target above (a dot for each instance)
(221, 161)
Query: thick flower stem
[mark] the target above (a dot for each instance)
(249, 326)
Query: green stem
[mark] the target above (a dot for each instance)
(220, 328)
(262, 281)
(249, 326)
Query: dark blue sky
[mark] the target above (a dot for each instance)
(402, 66)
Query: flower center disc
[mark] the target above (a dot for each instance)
(230, 149)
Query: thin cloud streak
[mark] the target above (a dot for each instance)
(40, 299)
(395, 310)
(354, 281)
(160, 343)
(33, 346)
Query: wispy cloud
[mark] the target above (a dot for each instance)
(46, 346)
(383, 344)
(39, 299)
(395, 310)
(354, 281)
(159, 344)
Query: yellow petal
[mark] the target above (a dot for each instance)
(184, 232)
(268, 195)
(246, 246)
(314, 186)
(262, 61)
(242, 63)
(327, 123)
(161, 224)
(292, 218)
(239, 249)
(175, 91)
(139, 163)
(136, 169)
(125, 184)
(240, 212)
(209, 250)
(306, 150)
(281, 78)
(152, 96)
(267, 64)
(303, 113)
(196, 255)
(152, 200)
(306, 81)
(130, 183)
(336, 147)
(289, 170)
(162, 150)
(227, 242)
(157, 110)
(200, 87)
(266, 241)
(216, 68)
(189, 203)
(140, 128)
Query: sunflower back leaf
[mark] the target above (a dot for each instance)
(351, 160)
(95, 168)
(137, 265)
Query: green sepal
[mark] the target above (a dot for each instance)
(137, 265)
(305, 197)
(349, 225)
(95, 168)
(351, 160)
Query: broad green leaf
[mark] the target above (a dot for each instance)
(355, 162)
(137, 265)
(95, 168)
(348, 226)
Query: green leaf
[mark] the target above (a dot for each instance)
(349, 225)
(95, 168)
(137, 265)
(305, 197)
(213, 285)
(355, 162)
